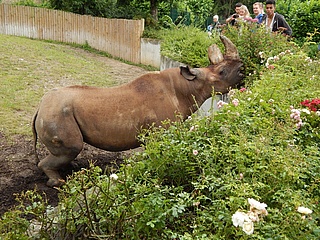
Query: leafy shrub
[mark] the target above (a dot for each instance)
(33, 3)
(185, 44)
(98, 8)
(251, 42)
(305, 18)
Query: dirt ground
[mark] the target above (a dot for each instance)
(18, 166)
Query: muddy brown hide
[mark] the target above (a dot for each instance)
(110, 118)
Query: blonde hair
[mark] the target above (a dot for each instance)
(246, 11)
(216, 16)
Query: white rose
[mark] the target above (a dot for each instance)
(305, 111)
(276, 58)
(114, 177)
(231, 93)
(248, 227)
(304, 210)
(253, 216)
(257, 205)
(220, 104)
(239, 218)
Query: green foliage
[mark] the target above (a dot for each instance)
(33, 3)
(251, 42)
(96, 8)
(194, 175)
(303, 17)
(14, 224)
(186, 44)
(200, 10)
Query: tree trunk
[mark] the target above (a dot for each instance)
(123, 2)
(154, 9)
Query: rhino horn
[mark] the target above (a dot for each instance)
(215, 55)
(230, 49)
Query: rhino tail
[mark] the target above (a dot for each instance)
(35, 135)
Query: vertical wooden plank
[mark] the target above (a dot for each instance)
(44, 21)
(15, 19)
(1, 19)
(79, 28)
(66, 24)
(75, 28)
(79, 22)
(118, 37)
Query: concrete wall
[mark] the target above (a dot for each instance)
(151, 55)
(150, 52)
(169, 63)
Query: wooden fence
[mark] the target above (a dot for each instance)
(118, 37)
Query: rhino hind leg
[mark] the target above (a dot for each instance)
(56, 160)
(55, 180)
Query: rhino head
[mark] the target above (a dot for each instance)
(224, 72)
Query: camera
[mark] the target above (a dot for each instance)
(235, 15)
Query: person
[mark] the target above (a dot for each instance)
(258, 11)
(244, 15)
(232, 19)
(214, 27)
(275, 22)
(216, 24)
(209, 29)
(244, 12)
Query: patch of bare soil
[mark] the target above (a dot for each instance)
(18, 165)
(19, 171)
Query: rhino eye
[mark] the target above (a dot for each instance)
(222, 72)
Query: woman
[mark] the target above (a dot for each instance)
(244, 15)
(244, 12)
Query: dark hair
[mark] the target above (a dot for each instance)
(239, 4)
(271, 2)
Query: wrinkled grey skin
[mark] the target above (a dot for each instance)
(110, 118)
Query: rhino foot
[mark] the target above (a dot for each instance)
(55, 182)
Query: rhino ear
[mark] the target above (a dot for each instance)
(214, 54)
(188, 73)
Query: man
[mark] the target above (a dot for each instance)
(275, 22)
(232, 19)
(258, 11)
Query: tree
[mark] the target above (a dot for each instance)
(85, 7)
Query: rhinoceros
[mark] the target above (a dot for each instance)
(110, 118)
